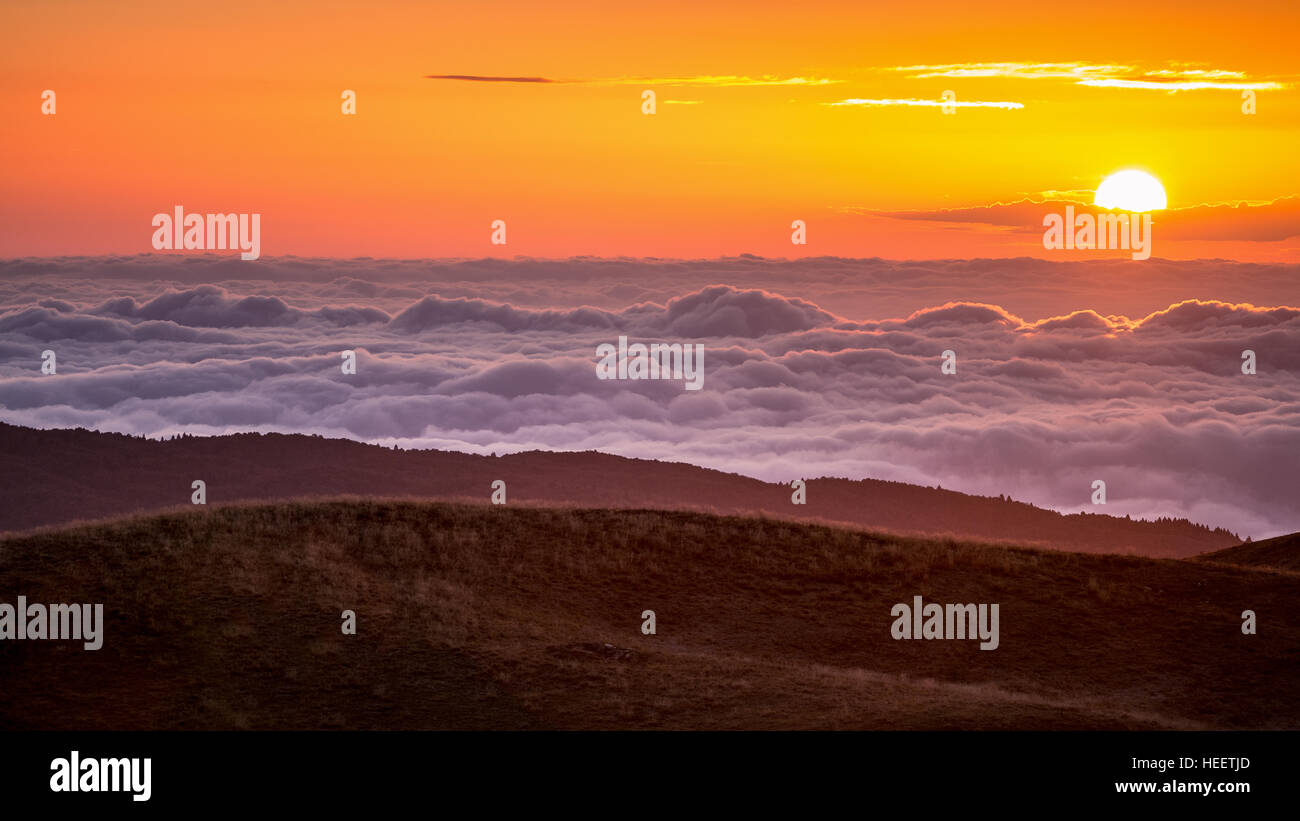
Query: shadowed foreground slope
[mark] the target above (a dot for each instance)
(482, 617)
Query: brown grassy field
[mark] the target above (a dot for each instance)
(472, 616)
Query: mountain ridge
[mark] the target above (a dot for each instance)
(59, 475)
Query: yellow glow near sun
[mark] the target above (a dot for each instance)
(1131, 191)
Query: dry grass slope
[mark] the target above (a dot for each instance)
(1281, 553)
(472, 616)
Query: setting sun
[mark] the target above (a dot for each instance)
(1131, 191)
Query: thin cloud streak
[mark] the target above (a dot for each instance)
(1032, 71)
(1189, 85)
(1102, 75)
(706, 80)
(1003, 104)
(480, 78)
(1269, 221)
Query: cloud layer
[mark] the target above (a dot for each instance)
(1040, 407)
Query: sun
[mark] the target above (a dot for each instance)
(1131, 190)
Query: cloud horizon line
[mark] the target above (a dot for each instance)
(523, 259)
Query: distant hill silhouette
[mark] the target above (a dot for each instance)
(52, 477)
(1281, 552)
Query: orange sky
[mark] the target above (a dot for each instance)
(236, 107)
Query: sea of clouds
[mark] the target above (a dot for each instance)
(812, 367)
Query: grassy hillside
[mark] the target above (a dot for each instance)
(1282, 553)
(488, 617)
